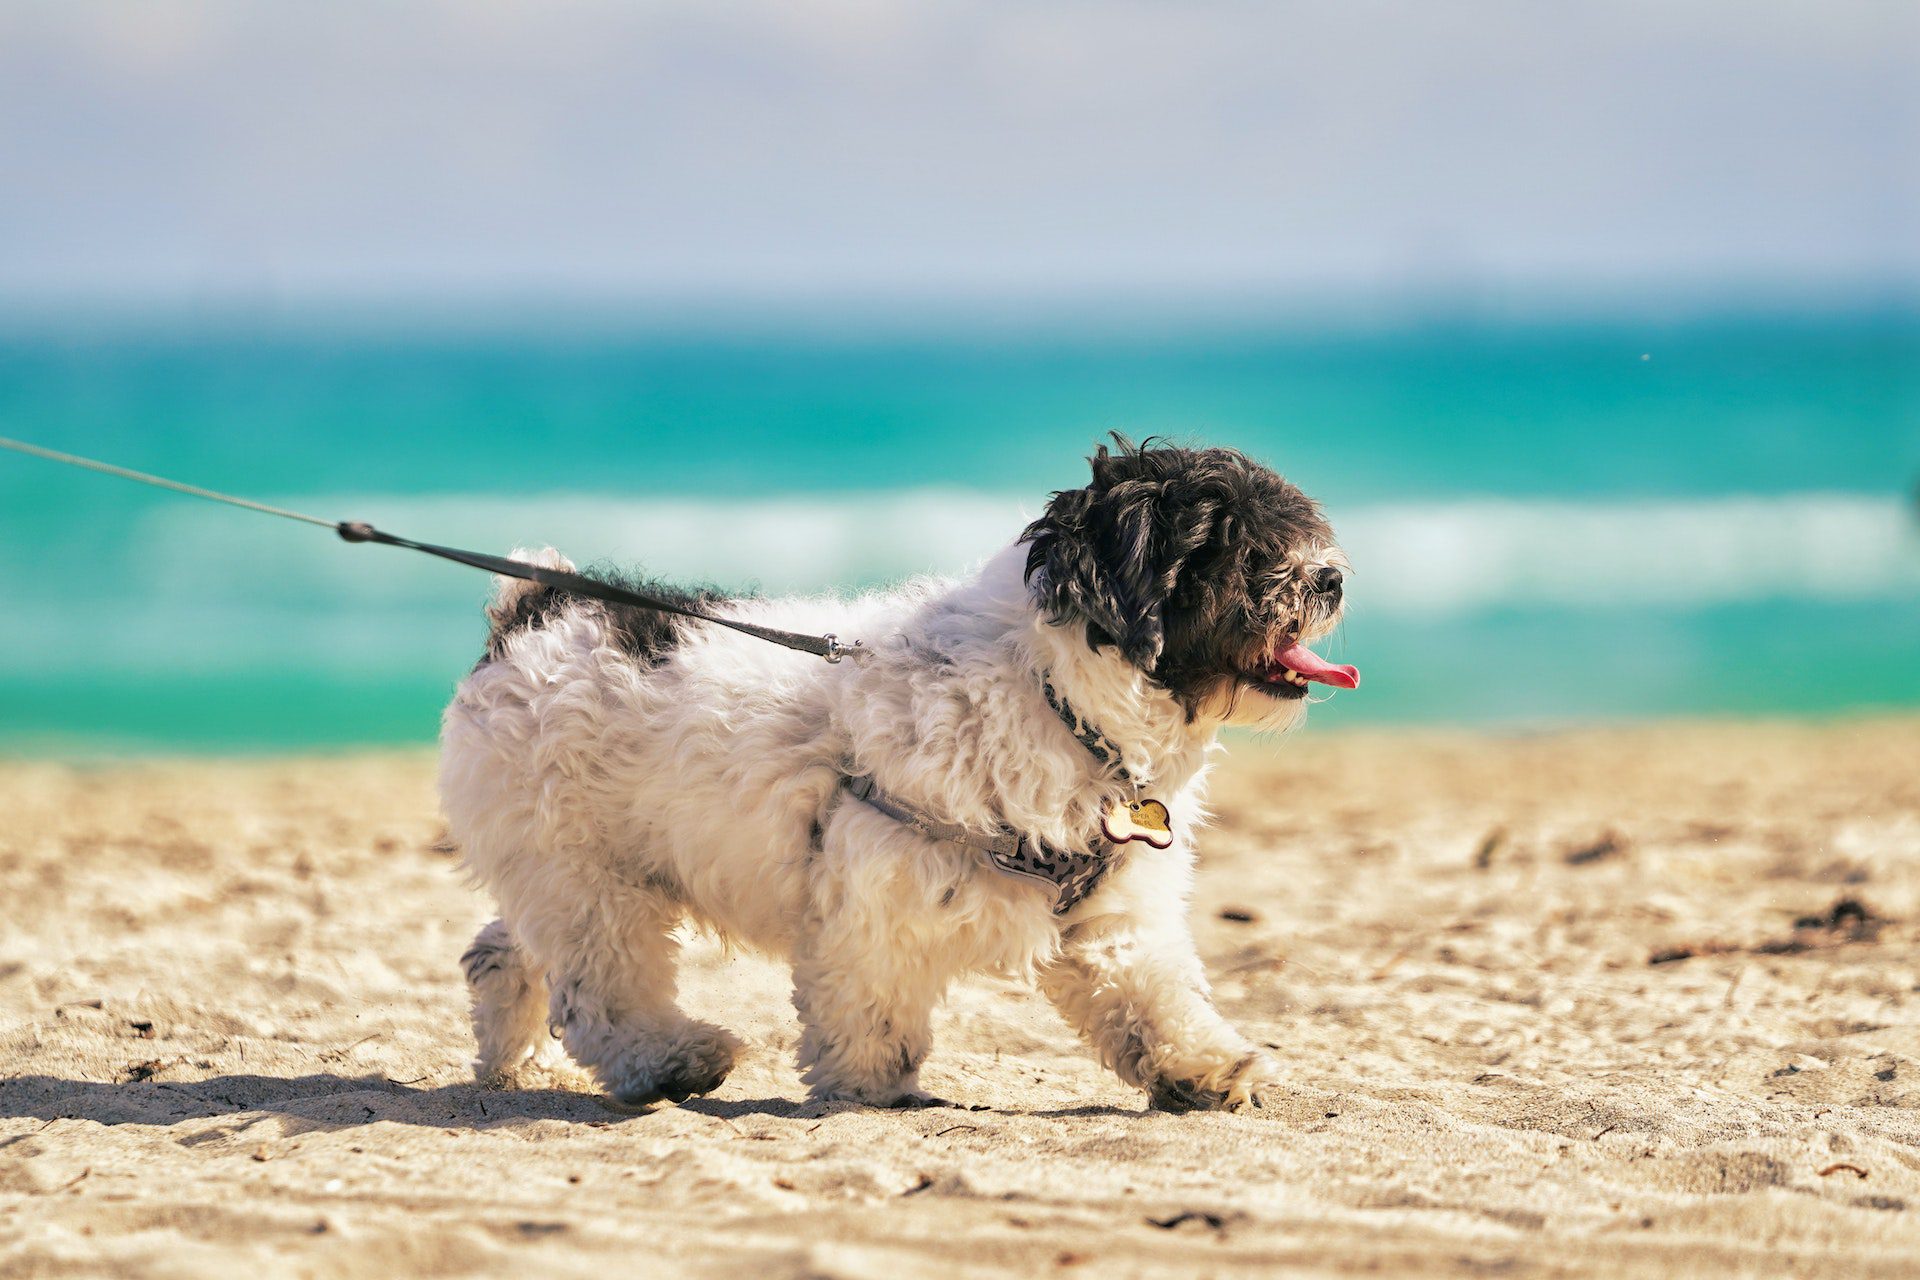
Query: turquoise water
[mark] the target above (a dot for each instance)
(1552, 521)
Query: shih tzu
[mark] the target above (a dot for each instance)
(1012, 780)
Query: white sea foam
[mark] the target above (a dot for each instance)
(1441, 557)
(1462, 557)
(258, 593)
(780, 544)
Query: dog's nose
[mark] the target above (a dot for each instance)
(1328, 580)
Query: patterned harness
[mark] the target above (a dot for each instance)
(1071, 873)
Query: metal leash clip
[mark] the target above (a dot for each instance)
(836, 651)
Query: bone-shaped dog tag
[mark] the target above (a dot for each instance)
(1146, 820)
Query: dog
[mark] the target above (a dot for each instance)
(891, 824)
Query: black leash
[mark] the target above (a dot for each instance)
(824, 646)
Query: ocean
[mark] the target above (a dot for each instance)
(1552, 521)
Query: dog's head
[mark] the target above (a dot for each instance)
(1202, 568)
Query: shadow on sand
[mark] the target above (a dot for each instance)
(324, 1102)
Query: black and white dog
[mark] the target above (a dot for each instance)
(608, 772)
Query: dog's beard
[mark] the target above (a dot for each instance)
(1266, 682)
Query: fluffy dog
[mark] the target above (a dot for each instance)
(609, 772)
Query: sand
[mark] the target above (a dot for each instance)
(233, 1040)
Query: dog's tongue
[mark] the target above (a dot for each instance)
(1314, 667)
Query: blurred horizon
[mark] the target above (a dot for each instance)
(1100, 315)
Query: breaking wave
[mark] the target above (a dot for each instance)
(1441, 557)
(253, 593)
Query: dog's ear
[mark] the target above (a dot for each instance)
(1111, 553)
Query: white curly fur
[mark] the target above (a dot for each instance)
(601, 801)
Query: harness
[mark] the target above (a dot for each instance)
(1071, 873)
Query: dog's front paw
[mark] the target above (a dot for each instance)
(1251, 1083)
(1179, 1096)
(1257, 1086)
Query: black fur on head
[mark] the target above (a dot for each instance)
(1194, 563)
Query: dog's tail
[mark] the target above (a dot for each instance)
(517, 602)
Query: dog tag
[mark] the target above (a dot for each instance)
(1146, 820)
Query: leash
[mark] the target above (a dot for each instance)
(826, 646)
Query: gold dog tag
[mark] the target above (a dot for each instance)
(1146, 820)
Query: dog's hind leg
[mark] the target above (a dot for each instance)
(609, 960)
(866, 1012)
(509, 1000)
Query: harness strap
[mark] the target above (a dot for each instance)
(1003, 844)
(1097, 743)
(1072, 875)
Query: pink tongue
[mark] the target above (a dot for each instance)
(1314, 667)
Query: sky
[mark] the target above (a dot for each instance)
(620, 149)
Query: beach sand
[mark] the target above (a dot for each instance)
(233, 1040)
